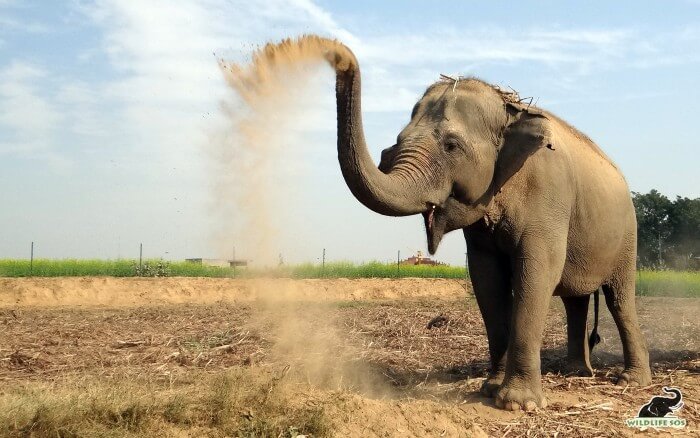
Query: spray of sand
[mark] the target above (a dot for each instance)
(258, 159)
(253, 183)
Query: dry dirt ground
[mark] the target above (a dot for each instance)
(221, 357)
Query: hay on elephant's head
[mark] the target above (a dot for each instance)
(509, 95)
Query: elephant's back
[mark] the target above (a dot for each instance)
(580, 139)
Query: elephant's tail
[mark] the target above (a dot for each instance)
(594, 339)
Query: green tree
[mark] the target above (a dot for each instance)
(653, 227)
(684, 240)
(668, 232)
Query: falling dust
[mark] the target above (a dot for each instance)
(254, 185)
(259, 160)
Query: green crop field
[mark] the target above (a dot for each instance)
(668, 283)
(370, 270)
(649, 283)
(154, 268)
(110, 268)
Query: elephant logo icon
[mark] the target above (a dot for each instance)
(660, 411)
(661, 406)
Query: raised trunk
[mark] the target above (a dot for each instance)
(391, 193)
(677, 394)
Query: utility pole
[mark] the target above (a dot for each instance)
(31, 261)
(140, 257)
(323, 263)
(233, 264)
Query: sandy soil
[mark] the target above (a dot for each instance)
(360, 348)
(134, 292)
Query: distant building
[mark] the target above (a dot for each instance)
(419, 259)
(219, 263)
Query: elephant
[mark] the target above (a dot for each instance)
(661, 406)
(544, 212)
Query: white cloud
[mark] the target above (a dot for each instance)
(496, 45)
(325, 21)
(29, 119)
(398, 67)
(169, 85)
(164, 98)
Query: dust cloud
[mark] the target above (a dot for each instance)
(259, 159)
(309, 339)
(255, 185)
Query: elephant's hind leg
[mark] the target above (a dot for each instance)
(578, 352)
(620, 299)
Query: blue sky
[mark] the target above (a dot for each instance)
(108, 109)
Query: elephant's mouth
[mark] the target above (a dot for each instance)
(436, 218)
(434, 226)
(429, 218)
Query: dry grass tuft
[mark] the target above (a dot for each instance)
(241, 401)
(81, 408)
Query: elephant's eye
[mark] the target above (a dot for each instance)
(451, 144)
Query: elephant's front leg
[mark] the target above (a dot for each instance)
(490, 275)
(537, 269)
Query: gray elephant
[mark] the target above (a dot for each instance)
(544, 213)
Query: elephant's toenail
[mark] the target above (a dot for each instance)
(513, 406)
(543, 403)
(530, 405)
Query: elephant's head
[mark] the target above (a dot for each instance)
(464, 140)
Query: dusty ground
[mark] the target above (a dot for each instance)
(357, 352)
(85, 292)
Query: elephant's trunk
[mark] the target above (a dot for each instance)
(677, 395)
(394, 193)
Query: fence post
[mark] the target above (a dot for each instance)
(398, 264)
(31, 261)
(140, 256)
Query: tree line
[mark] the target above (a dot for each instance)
(668, 231)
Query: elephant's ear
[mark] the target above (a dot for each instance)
(524, 136)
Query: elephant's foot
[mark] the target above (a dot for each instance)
(577, 367)
(517, 394)
(492, 383)
(635, 377)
